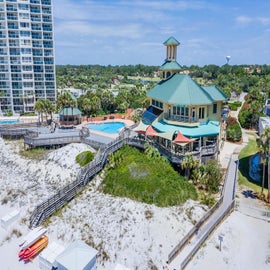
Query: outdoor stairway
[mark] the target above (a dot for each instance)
(67, 193)
(185, 251)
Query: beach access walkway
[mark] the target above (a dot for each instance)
(187, 248)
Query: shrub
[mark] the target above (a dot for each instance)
(231, 121)
(9, 112)
(213, 175)
(245, 118)
(84, 158)
(150, 180)
(234, 133)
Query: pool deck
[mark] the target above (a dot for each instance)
(102, 137)
(94, 134)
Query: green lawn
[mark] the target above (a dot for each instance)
(148, 180)
(243, 174)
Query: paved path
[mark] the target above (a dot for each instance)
(229, 194)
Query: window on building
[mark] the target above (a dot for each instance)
(26, 50)
(26, 59)
(28, 84)
(23, 6)
(24, 16)
(28, 76)
(26, 42)
(27, 68)
(201, 112)
(215, 108)
(181, 111)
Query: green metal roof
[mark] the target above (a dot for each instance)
(212, 128)
(171, 41)
(170, 65)
(70, 111)
(180, 89)
(215, 92)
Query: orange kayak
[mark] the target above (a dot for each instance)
(33, 250)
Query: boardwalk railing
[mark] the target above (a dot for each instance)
(198, 225)
(204, 238)
(17, 130)
(59, 140)
(55, 202)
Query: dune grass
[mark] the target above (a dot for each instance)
(84, 158)
(38, 153)
(148, 180)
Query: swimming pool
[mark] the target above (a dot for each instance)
(109, 127)
(8, 122)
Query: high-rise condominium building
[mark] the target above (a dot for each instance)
(27, 68)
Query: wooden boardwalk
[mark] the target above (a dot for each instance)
(192, 242)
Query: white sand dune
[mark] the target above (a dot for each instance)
(135, 235)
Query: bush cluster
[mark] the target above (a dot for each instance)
(235, 105)
(84, 158)
(146, 179)
(233, 131)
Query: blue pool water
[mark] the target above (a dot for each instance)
(110, 127)
(8, 122)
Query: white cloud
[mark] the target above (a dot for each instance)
(264, 20)
(244, 19)
(247, 20)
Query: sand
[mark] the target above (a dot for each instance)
(135, 235)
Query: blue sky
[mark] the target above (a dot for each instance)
(128, 32)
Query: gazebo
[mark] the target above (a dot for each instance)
(70, 116)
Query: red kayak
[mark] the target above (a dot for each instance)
(21, 253)
(33, 250)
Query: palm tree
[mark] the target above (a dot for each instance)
(87, 105)
(189, 163)
(65, 100)
(48, 108)
(199, 176)
(39, 107)
(151, 151)
(264, 150)
(96, 104)
(267, 135)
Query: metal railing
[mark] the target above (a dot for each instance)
(18, 130)
(34, 142)
(55, 202)
(198, 225)
(204, 238)
(180, 118)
